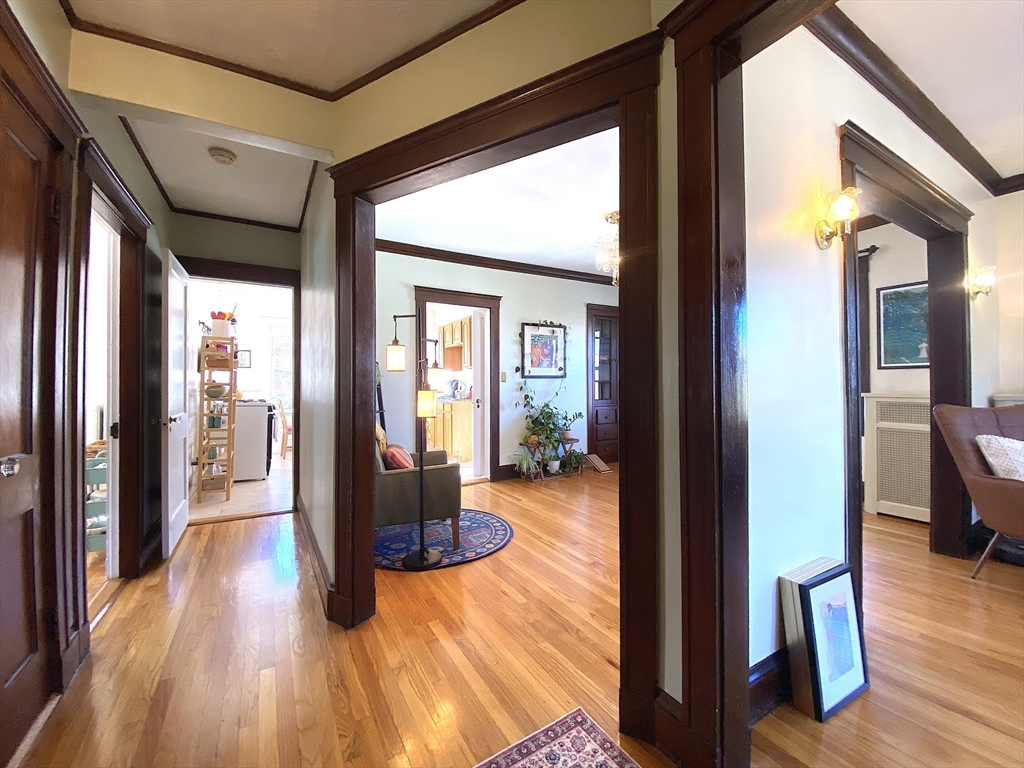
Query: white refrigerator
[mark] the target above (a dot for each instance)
(252, 440)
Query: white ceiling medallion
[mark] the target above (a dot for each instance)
(222, 156)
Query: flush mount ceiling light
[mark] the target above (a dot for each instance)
(607, 258)
(222, 156)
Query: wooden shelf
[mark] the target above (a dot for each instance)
(217, 358)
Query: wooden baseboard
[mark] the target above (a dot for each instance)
(673, 737)
(316, 560)
(636, 716)
(505, 472)
(770, 684)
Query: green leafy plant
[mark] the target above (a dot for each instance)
(573, 460)
(543, 422)
(524, 462)
(566, 420)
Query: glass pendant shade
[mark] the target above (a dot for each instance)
(426, 404)
(435, 376)
(394, 357)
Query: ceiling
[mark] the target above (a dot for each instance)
(967, 56)
(321, 43)
(263, 185)
(546, 209)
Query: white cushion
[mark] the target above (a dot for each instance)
(1004, 455)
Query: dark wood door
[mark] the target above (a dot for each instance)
(28, 166)
(603, 381)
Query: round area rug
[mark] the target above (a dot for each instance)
(480, 534)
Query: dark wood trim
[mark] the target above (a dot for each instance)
(674, 738)
(846, 40)
(504, 472)
(216, 269)
(903, 196)
(316, 557)
(485, 262)
(112, 186)
(710, 727)
(309, 193)
(324, 94)
(864, 324)
(477, 301)
(203, 214)
(620, 86)
(770, 684)
(28, 76)
(870, 221)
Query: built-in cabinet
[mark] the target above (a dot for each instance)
(457, 344)
(452, 429)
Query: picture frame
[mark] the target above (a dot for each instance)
(543, 351)
(835, 640)
(901, 315)
(244, 358)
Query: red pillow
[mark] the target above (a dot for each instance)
(396, 457)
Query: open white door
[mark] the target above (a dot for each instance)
(175, 415)
(481, 392)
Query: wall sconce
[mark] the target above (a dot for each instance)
(982, 282)
(842, 210)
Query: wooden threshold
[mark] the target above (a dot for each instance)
(103, 600)
(239, 516)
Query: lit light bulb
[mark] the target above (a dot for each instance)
(394, 357)
(844, 206)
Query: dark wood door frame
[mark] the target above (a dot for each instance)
(477, 301)
(898, 193)
(236, 272)
(595, 310)
(614, 88)
(709, 725)
(100, 188)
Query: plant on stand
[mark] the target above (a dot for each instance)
(574, 461)
(565, 421)
(524, 463)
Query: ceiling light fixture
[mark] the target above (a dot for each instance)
(222, 156)
(608, 258)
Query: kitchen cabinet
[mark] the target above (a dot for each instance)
(452, 430)
(457, 344)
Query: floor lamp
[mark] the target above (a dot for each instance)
(426, 408)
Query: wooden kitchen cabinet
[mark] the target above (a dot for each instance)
(452, 430)
(457, 344)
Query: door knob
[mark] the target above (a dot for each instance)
(9, 467)
(477, 402)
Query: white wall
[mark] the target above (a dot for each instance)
(795, 394)
(524, 298)
(902, 257)
(1009, 291)
(317, 399)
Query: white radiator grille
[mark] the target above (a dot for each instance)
(904, 472)
(901, 412)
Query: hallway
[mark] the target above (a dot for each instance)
(223, 657)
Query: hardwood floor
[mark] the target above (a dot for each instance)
(222, 656)
(249, 497)
(946, 660)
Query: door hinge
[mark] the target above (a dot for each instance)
(115, 430)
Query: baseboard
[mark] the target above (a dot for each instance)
(770, 684)
(72, 657)
(504, 472)
(673, 737)
(636, 716)
(320, 572)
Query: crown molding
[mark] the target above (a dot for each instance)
(847, 41)
(488, 13)
(204, 214)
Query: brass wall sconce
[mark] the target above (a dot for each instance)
(982, 281)
(843, 211)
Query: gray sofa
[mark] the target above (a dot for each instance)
(398, 492)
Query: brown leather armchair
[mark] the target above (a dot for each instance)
(1000, 501)
(397, 493)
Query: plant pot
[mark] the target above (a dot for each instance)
(532, 441)
(554, 466)
(567, 434)
(221, 328)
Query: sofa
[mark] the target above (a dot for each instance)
(398, 492)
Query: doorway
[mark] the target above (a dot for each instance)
(603, 381)
(261, 321)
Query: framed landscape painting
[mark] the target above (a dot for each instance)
(902, 316)
(543, 351)
(835, 641)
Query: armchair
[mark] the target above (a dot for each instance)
(1000, 501)
(397, 493)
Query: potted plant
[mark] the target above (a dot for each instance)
(554, 465)
(524, 462)
(565, 421)
(574, 461)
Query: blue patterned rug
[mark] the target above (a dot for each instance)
(480, 534)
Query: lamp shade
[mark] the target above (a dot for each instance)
(426, 404)
(394, 357)
(435, 377)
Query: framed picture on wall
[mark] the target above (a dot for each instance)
(835, 640)
(244, 357)
(902, 316)
(543, 351)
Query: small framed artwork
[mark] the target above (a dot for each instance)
(244, 357)
(835, 640)
(902, 315)
(543, 351)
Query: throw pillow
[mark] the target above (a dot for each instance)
(396, 457)
(382, 439)
(1004, 455)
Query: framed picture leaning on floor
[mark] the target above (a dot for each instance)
(835, 640)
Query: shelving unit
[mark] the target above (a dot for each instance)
(218, 367)
(565, 444)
